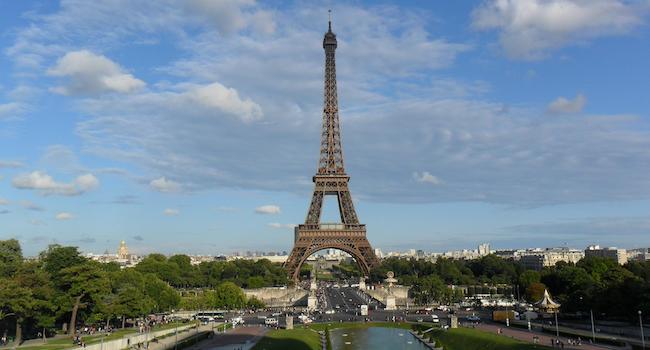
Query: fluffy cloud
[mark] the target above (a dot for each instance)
(89, 74)
(393, 120)
(64, 216)
(164, 185)
(564, 105)
(3, 201)
(268, 209)
(426, 177)
(11, 110)
(225, 99)
(529, 29)
(278, 225)
(231, 15)
(46, 185)
(171, 212)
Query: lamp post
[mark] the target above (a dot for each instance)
(593, 329)
(557, 329)
(641, 326)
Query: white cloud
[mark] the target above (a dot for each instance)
(164, 185)
(230, 16)
(529, 29)
(46, 185)
(268, 209)
(426, 177)
(11, 110)
(64, 216)
(564, 105)
(10, 164)
(171, 212)
(3, 201)
(89, 74)
(225, 99)
(278, 225)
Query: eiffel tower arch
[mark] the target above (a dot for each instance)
(331, 180)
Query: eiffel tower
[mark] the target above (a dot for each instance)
(331, 180)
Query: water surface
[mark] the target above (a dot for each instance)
(376, 338)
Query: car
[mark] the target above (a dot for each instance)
(420, 320)
(329, 312)
(276, 314)
(435, 319)
(473, 318)
(338, 306)
(271, 321)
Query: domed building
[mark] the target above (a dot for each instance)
(123, 251)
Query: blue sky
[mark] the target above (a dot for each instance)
(193, 126)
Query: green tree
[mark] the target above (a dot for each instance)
(528, 277)
(57, 258)
(254, 303)
(11, 256)
(84, 284)
(17, 301)
(229, 295)
(31, 276)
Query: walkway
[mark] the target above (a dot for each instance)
(544, 338)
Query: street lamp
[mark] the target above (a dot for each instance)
(641, 325)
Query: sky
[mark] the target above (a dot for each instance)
(193, 126)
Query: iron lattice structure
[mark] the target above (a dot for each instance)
(331, 179)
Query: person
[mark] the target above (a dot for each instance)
(4, 339)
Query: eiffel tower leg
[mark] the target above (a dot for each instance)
(315, 208)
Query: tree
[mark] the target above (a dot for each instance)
(15, 300)
(30, 275)
(84, 284)
(528, 277)
(428, 289)
(164, 297)
(57, 258)
(11, 256)
(254, 303)
(535, 292)
(229, 295)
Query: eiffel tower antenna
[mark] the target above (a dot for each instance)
(329, 16)
(331, 180)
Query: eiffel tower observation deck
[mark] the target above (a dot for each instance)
(331, 180)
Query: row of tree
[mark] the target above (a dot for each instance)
(178, 271)
(62, 287)
(597, 284)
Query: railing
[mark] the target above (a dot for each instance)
(332, 227)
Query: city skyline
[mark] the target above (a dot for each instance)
(195, 129)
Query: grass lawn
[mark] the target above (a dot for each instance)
(294, 339)
(473, 339)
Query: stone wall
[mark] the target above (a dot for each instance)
(277, 296)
